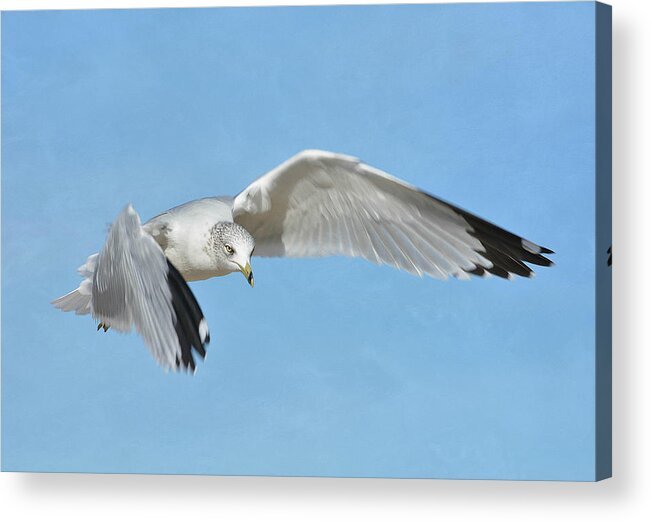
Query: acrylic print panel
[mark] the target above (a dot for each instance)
(329, 366)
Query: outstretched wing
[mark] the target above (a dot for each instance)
(135, 285)
(320, 203)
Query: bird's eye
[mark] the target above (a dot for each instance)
(229, 249)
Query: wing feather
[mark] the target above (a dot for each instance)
(135, 286)
(319, 203)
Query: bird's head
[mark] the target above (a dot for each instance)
(232, 247)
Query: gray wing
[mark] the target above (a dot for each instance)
(134, 285)
(319, 203)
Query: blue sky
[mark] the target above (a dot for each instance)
(329, 366)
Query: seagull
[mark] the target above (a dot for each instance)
(315, 204)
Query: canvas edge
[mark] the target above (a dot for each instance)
(603, 241)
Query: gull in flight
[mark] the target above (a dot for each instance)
(315, 204)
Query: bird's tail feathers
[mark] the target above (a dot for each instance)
(80, 299)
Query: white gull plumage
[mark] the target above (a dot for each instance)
(314, 204)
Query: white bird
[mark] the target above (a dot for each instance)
(314, 204)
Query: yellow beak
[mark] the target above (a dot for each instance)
(248, 273)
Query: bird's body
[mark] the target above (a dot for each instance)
(183, 233)
(315, 204)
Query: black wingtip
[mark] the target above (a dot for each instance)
(507, 252)
(190, 324)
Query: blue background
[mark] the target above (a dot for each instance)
(329, 366)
